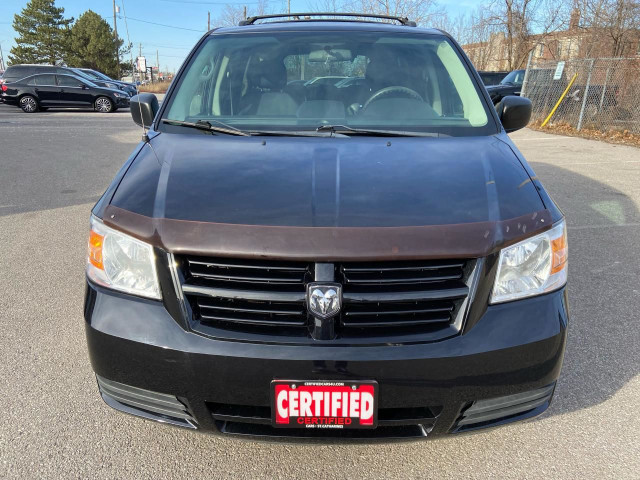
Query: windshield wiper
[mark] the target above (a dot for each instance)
(382, 133)
(207, 126)
(229, 130)
(289, 133)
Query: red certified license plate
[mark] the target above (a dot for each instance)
(324, 404)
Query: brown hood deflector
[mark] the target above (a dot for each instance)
(465, 240)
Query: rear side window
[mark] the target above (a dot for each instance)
(67, 81)
(43, 80)
(17, 73)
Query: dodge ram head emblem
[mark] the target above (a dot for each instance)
(324, 299)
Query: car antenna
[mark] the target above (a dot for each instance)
(145, 136)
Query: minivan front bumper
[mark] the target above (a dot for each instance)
(502, 369)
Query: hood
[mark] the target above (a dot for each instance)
(327, 182)
(109, 90)
(501, 86)
(105, 83)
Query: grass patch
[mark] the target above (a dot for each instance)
(158, 87)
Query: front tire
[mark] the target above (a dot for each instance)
(103, 105)
(29, 104)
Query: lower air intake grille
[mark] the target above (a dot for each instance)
(495, 411)
(392, 423)
(145, 403)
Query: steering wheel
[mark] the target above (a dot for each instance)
(393, 91)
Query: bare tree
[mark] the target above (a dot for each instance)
(523, 21)
(233, 14)
(617, 20)
(423, 12)
(478, 35)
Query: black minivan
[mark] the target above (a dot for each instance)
(280, 258)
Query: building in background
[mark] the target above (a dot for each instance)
(575, 42)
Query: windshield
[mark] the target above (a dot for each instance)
(86, 78)
(99, 75)
(90, 74)
(304, 80)
(514, 78)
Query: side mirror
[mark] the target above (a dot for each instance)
(143, 107)
(514, 112)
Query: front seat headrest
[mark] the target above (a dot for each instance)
(270, 74)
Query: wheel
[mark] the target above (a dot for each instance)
(103, 105)
(590, 111)
(28, 104)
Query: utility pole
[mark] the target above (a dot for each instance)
(115, 34)
(208, 21)
(157, 64)
(141, 72)
(244, 13)
(289, 6)
(2, 67)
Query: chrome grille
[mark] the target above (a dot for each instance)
(383, 274)
(397, 314)
(418, 295)
(252, 312)
(410, 300)
(254, 274)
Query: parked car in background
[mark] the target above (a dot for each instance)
(376, 261)
(351, 82)
(509, 85)
(47, 90)
(326, 80)
(491, 78)
(105, 83)
(99, 76)
(18, 72)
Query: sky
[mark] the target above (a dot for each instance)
(172, 26)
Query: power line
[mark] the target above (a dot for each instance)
(200, 2)
(173, 47)
(165, 25)
(150, 54)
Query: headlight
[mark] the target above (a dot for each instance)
(119, 95)
(121, 262)
(534, 266)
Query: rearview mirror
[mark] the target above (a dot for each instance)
(143, 107)
(514, 112)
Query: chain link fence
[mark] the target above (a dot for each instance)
(601, 93)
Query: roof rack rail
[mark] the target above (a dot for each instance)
(302, 17)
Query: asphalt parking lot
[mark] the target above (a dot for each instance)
(53, 424)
